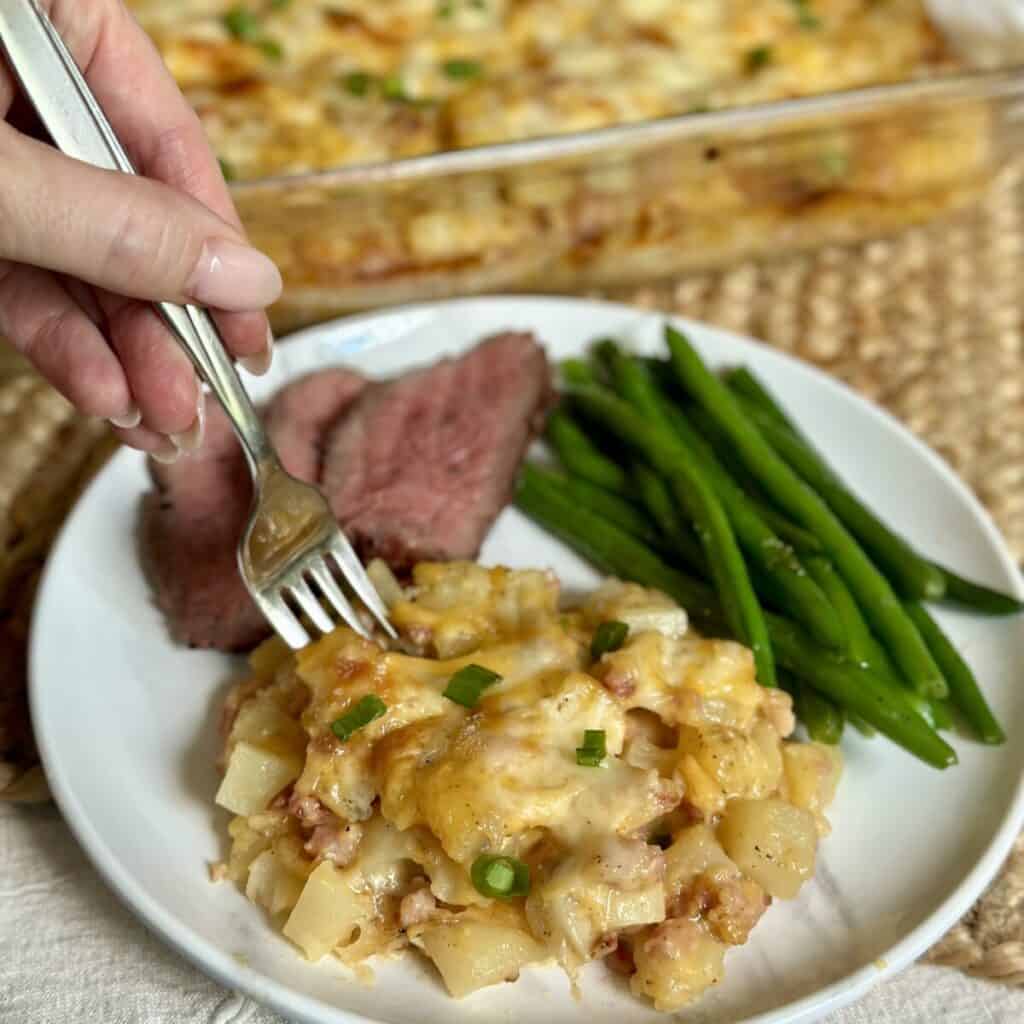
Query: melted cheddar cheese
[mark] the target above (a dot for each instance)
(656, 854)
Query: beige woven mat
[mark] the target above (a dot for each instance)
(929, 324)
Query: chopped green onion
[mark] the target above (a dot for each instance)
(466, 686)
(242, 23)
(226, 169)
(357, 83)
(445, 9)
(271, 48)
(806, 18)
(393, 88)
(462, 69)
(362, 713)
(499, 877)
(609, 636)
(759, 57)
(480, 5)
(594, 750)
(835, 163)
(279, 5)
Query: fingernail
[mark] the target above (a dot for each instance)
(235, 277)
(131, 417)
(259, 363)
(165, 454)
(191, 440)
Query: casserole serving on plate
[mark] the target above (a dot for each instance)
(384, 152)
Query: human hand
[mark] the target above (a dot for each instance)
(84, 251)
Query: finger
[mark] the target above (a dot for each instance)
(137, 92)
(160, 375)
(126, 234)
(157, 445)
(42, 321)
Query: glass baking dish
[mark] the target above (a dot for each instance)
(635, 202)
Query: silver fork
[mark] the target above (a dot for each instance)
(291, 537)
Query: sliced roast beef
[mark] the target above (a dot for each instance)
(421, 466)
(192, 520)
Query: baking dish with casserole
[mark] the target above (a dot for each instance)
(386, 152)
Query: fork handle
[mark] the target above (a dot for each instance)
(71, 114)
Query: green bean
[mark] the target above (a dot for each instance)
(676, 534)
(789, 492)
(912, 575)
(690, 488)
(580, 456)
(976, 596)
(822, 719)
(577, 373)
(615, 552)
(864, 728)
(941, 715)
(746, 384)
(964, 691)
(607, 504)
(797, 592)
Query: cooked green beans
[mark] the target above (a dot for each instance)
(873, 592)
(580, 456)
(676, 535)
(612, 506)
(797, 592)
(728, 571)
(976, 596)
(822, 719)
(614, 551)
(963, 687)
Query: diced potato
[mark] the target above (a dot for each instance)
(703, 793)
(472, 954)
(695, 849)
(771, 841)
(812, 775)
(332, 905)
(271, 885)
(254, 777)
(263, 724)
(742, 766)
(246, 845)
(676, 962)
(595, 891)
(642, 609)
(266, 659)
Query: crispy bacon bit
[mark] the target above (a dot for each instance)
(619, 683)
(335, 843)
(309, 810)
(416, 908)
(730, 906)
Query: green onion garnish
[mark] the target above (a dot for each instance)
(445, 9)
(500, 878)
(279, 5)
(806, 18)
(242, 23)
(362, 713)
(271, 48)
(226, 170)
(462, 69)
(609, 636)
(466, 686)
(759, 57)
(357, 83)
(593, 751)
(393, 88)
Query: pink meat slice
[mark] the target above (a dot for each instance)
(192, 519)
(421, 466)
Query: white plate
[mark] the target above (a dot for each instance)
(126, 723)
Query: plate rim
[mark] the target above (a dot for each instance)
(221, 966)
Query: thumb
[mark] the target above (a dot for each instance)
(130, 235)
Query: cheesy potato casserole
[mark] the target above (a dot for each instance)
(521, 785)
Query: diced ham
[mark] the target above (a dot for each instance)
(417, 907)
(336, 842)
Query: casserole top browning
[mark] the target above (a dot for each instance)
(291, 86)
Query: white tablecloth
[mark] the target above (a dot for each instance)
(71, 954)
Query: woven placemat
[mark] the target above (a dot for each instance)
(929, 324)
